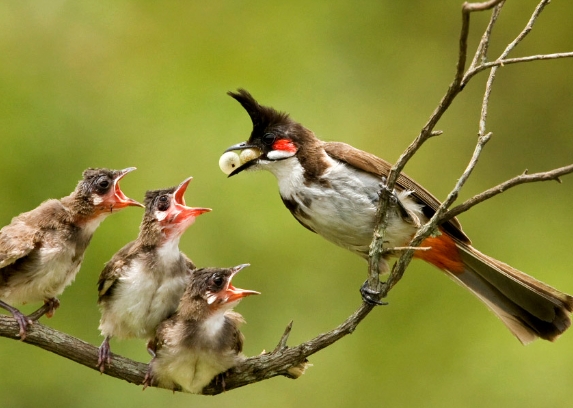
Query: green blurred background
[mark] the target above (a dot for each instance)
(143, 83)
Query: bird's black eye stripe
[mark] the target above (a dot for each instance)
(269, 139)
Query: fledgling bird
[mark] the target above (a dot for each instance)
(41, 250)
(143, 282)
(332, 189)
(202, 339)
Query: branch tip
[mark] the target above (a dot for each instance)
(284, 338)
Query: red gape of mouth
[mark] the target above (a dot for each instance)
(119, 199)
(179, 212)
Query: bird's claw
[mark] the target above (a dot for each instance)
(371, 296)
(52, 304)
(220, 379)
(148, 379)
(22, 320)
(48, 308)
(104, 355)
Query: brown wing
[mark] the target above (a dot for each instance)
(113, 270)
(371, 164)
(29, 229)
(16, 241)
(233, 337)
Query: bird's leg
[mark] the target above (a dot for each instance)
(220, 379)
(148, 379)
(48, 308)
(151, 349)
(20, 318)
(104, 355)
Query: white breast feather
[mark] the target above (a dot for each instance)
(192, 368)
(141, 301)
(345, 213)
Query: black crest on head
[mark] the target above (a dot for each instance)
(262, 117)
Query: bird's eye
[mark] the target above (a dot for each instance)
(102, 184)
(269, 139)
(163, 203)
(218, 280)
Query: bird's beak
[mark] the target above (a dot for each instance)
(179, 209)
(240, 146)
(120, 200)
(232, 293)
(248, 157)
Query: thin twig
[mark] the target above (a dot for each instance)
(552, 175)
(508, 61)
(480, 56)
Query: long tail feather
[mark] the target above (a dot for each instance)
(528, 307)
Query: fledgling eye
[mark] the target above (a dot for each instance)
(269, 139)
(102, 184)
(163, 203)
(217, 281)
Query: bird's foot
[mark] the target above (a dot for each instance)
(148, 379)
(372, 297)
(220, 379)
(22, 320)
(104, 355)
(52, 304)
(48, 308)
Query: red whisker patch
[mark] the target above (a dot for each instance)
(284, 145)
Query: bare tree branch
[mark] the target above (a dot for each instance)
(552, 175)
(291, 361)
(454, 89)
(508, 61)
(72, 348)
(280, 361)
(457, 85)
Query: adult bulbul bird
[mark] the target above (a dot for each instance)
(202, 340)
(332, 189)
(41, 250)
(142, 284)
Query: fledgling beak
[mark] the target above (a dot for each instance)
(230, 293)
(179, 212)
(120, 200)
